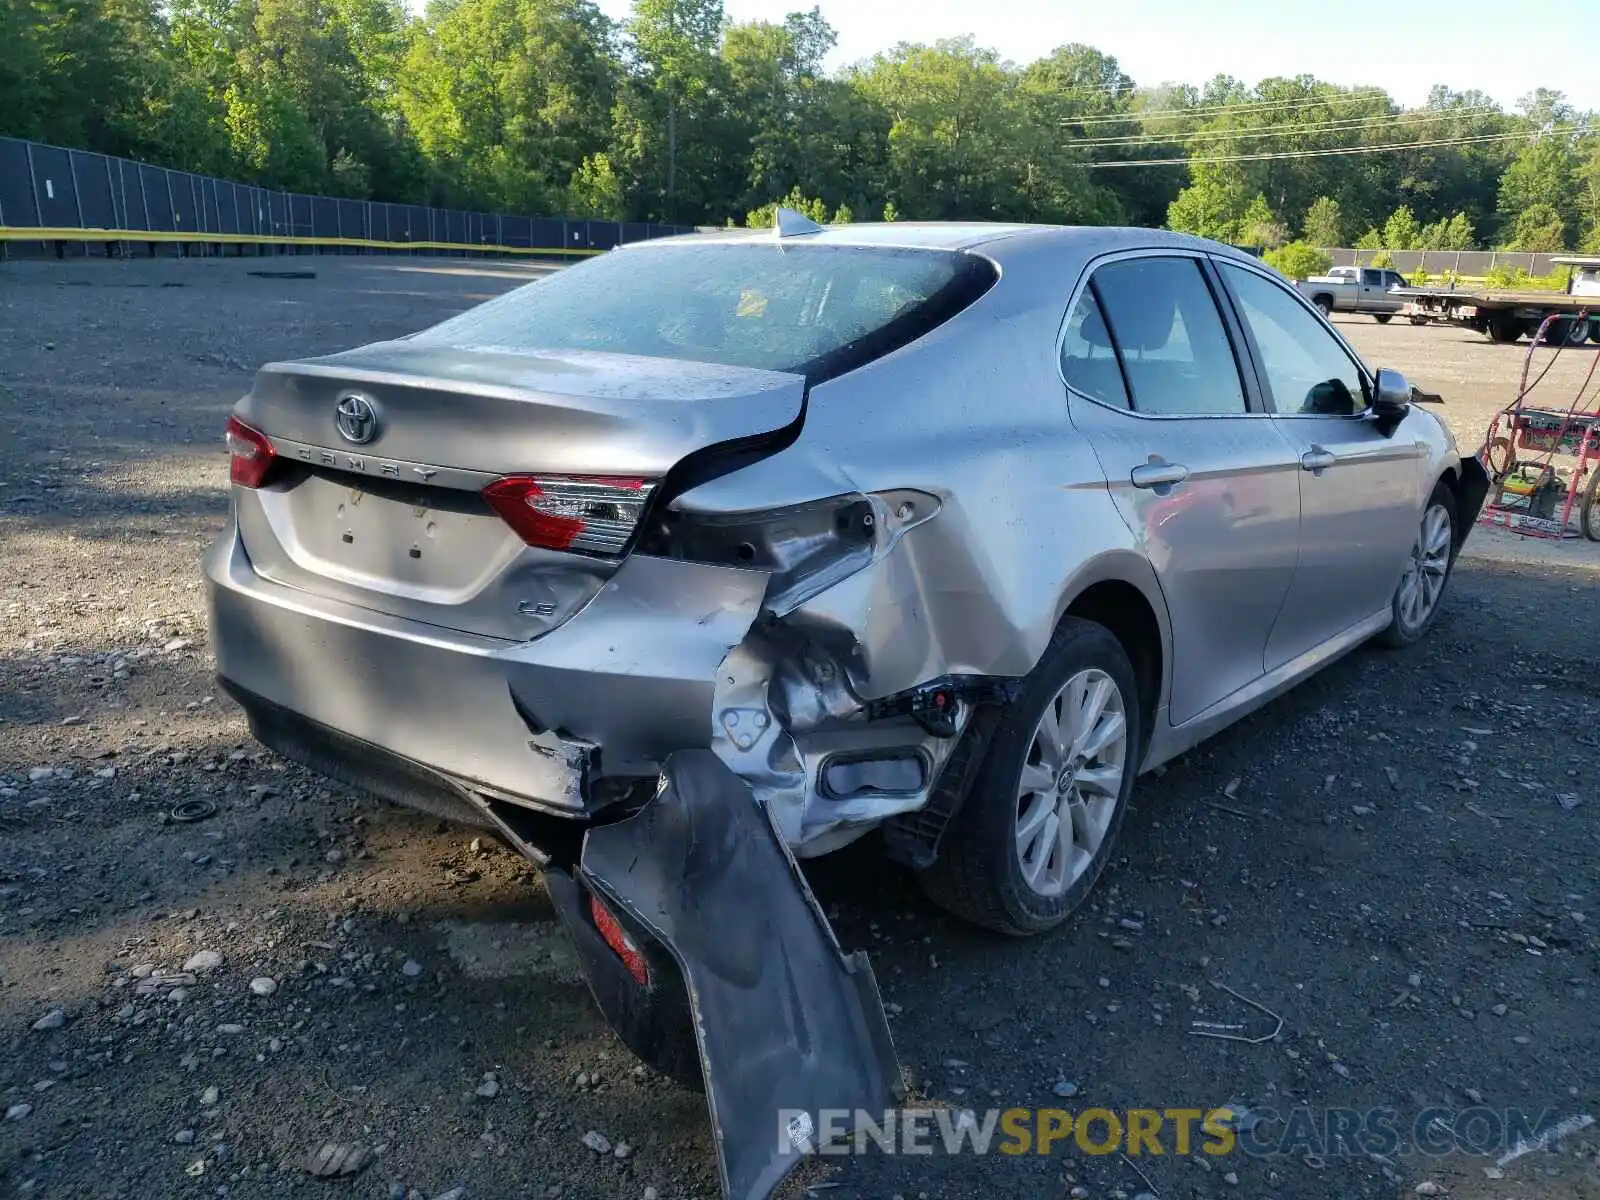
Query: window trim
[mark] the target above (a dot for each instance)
(1258, 367)
(1254, 400)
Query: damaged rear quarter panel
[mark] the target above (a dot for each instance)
(974, 414)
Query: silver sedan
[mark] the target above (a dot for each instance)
(946, 532)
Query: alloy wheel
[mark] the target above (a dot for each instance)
(1071, 782)
(1423, 581)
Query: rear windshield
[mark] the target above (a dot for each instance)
(815, 310)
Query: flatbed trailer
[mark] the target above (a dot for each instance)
(1504, 315)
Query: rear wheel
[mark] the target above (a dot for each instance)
(1324, 305)
(1566, 332)
(1043, 815)
(1504, 327)
(1416, 600)
(1383, 318)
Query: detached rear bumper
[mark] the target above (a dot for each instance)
(551, 723)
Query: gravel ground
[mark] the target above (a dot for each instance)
(1398, 858)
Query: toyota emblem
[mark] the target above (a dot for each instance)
(356, 418)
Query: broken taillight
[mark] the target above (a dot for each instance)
(250, 454)
(611, 932)
(595, 513)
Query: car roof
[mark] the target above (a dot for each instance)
(1085, 240)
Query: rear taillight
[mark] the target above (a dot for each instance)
(250, 454)
(596, 513)
(612, 934)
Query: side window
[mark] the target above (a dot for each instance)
(1372, 278)
(1088, 363)
(1307, 371)
(1396, 279)
(1175, 351)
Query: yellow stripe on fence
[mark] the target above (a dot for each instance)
(12, 233)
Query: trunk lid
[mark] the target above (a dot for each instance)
(384, 508)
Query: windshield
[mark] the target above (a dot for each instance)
(814, 310)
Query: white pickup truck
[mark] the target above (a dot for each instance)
(1357, 290)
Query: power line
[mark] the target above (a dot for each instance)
(1378, 123)
(1206, 110)
(1283, 154)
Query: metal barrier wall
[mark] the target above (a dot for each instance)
(1471, 263)
(55, 200)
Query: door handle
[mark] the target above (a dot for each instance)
(1158, 473)
(1317, 459)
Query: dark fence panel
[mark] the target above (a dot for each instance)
(547, 234)
(96, 201)
(17, 206)
(130, 186)
(324, 217)
(185, 204)
(352, 219)
(229, 215)
(302, 222)
(52, 187)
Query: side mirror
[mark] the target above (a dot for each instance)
(1391, 400)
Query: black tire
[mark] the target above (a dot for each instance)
(1324, 306)
(1504, 327)
(1589, 511)
(1383, 318)
(1565, 332)
(1403, 632)
(978, 875)
(1594, 330)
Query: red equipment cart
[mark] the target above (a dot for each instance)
(1529, 494)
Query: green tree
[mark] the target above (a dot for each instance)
(1297, 260)
(1324, 223)
(1258, 226)
(509, 99)
(1589, 189)
(1211, 206)
(766, 216)
(1401, 231)
(1538, 227)
(672, 127)
(1542, 176)
(595, 191)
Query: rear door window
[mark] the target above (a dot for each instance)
(1174, 348)
(817, 310)
(1088, 361)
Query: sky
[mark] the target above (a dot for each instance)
(1403, 46)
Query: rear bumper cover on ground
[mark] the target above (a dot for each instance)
(788, 1026)
(1471, 491)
